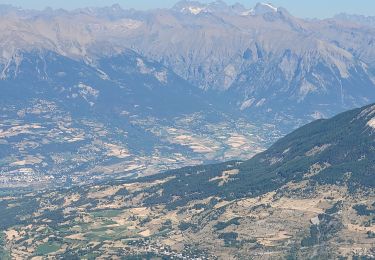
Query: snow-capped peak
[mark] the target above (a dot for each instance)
(192, 9)
(189, 7)
(218, 6)
(263, 8)
(247, 12)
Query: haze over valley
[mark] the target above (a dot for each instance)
(141, 133)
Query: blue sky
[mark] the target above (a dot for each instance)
(302, 8)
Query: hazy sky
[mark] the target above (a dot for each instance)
(302, 8)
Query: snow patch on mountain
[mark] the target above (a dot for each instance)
(218, 6)
(193, 10)
(270, 7)
(247, 12)
(190, 7)
(263, 8)
(260, 9)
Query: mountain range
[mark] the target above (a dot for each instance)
(195, 132)
(108, 92)
(260, 58)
